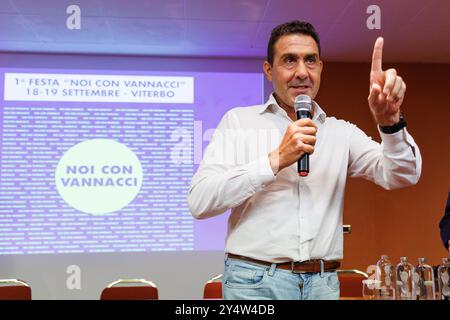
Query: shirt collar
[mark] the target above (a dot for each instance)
(271, 104)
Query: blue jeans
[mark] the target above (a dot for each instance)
(244, 280)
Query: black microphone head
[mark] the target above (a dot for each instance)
(303, 102)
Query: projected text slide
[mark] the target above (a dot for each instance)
(88, 173)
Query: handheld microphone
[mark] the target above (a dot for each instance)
(303, 106)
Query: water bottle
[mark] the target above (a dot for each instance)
(405, 289)
(424, 281)
(386, 277)
(444, 279)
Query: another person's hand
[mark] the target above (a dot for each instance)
(387, 90)
(299, 138)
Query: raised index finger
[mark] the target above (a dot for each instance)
(377, 54)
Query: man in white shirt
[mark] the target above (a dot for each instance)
(285, 235)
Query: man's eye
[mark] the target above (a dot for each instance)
(310, 60)
(289, 60)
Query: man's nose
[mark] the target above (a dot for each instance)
(301, 71)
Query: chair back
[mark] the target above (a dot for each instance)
(351, 282)
(14, 289)
(213, 288)
(130, 289)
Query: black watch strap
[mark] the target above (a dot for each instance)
(395, 127)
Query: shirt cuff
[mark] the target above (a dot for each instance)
(260, 173)
(396, 142)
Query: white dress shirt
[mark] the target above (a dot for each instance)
(284, 217)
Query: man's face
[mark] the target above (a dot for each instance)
(296, 68)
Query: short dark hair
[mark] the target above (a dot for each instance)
(290, 27)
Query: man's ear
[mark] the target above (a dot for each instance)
(267, 67)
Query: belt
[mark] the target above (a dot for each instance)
(309, 266)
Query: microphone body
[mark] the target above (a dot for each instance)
(303, 106)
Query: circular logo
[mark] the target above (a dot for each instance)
(98, 176)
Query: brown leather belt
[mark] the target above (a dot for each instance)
(310, 266)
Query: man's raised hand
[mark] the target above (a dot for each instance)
(387, 89)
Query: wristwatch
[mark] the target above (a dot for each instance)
(395, 127)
